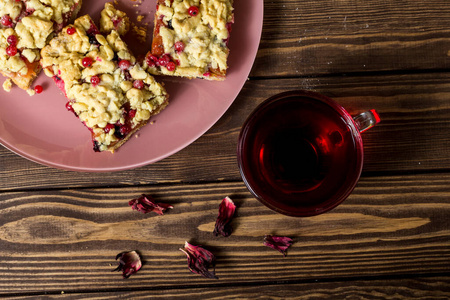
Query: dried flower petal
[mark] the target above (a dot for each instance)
(199, 260)
(129, 263)
(279, 243)
(226, 213)
(147, 204)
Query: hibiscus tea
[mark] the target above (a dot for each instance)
(300, 153)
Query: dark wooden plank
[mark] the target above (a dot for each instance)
(412, 137)
(416, 288)
(328, 36)
(67, 240)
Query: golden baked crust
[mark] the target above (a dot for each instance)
(107, 89)
(25, 28)
(190, 38)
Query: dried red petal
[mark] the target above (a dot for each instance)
(279, 243)
(200, 260)
(146, 204)
(129, 263)
(226, 213)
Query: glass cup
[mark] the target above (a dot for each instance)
(301, 154)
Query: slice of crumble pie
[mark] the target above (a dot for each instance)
(25, 28)
(107, 89)
(190, 38)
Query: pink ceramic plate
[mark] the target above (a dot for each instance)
(42, 130)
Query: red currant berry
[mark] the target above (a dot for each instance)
(132, 113)
(138, 84)
(11, 50)
(179, 46)
(86, 62)
(124, 64)
(151, 60)
(71, 30)
(193, 11)
(38, 89)
(12, 40)
(69, 107)
(6, 20)
(95, 80)
(171, 66)
(109, 127)
(164, 60)
(124, 130)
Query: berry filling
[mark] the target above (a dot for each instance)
(91, 32)
(109, 127)
(132, 113)
(93, 40)
(169, 24)
(116, 21)
(60, 84)
(151, 60)
(127, 75)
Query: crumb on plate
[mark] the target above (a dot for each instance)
(7, 85)
(141, 32)
(31, 92)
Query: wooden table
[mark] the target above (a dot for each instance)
(60, 231)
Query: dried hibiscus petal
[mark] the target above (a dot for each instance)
(129, 263)
(147, 204)
(226, 213)
(279, 243)
(200, 260)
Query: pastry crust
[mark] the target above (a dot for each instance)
(31, 24)
(107, 89)
(190, 38)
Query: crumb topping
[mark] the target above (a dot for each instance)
(202, 26)
(114, 19)
(11, 8)
(103, 95)
(31, 38)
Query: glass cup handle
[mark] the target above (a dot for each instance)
(366, 120)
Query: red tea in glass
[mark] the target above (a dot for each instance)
(300, 153)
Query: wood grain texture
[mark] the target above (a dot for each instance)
(336, 36)
(416, 288)
(67, 240)
(60, 231)
(413, 135)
